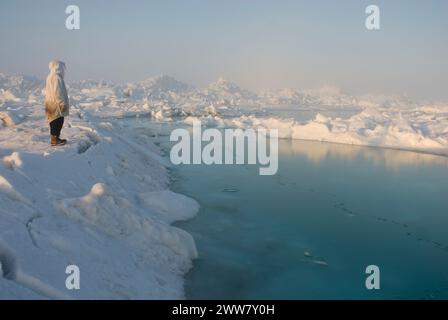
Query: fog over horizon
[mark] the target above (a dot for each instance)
(259, 45)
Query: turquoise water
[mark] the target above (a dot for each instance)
(310, 231)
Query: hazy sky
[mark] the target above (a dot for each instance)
(257, 44)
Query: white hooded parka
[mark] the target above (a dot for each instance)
(56, 98)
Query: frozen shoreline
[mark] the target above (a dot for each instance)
(102, 202)
(390, 129)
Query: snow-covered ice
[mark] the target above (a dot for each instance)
(102, 202)
(399, 129)
(423, 128)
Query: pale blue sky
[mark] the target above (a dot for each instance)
(258, 44)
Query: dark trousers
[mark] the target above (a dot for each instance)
(56, 126)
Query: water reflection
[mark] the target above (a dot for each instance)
(317, 152)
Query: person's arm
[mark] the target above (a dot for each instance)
(62, 96)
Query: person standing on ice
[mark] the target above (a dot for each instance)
(56, 101)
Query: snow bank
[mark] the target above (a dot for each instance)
(409, 129)
(118, 217)
(106, 209)
(101, 202)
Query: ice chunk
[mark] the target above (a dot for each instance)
(12, 161)
(115, 215)
(169, 206)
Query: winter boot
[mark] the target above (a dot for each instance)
(55, 141)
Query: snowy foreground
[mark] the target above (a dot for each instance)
(102, 202)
